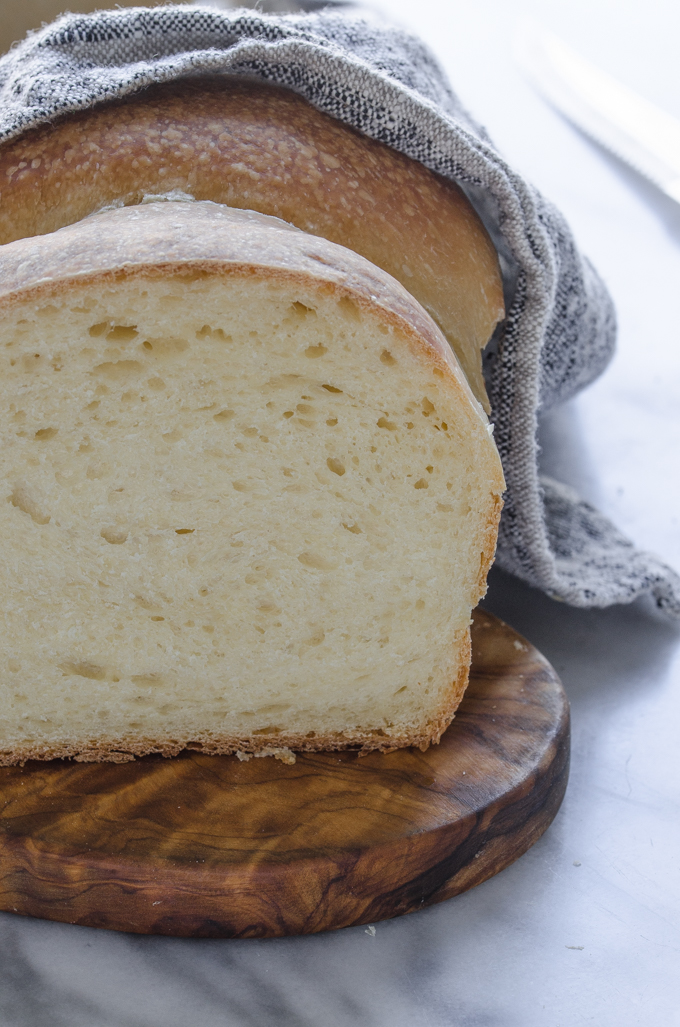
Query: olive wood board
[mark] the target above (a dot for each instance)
(209, 846)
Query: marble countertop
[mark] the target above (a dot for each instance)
(585, 928)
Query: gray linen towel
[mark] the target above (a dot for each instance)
(560, 326)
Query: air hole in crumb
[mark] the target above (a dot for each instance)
(336, 466)
(288, 413)
(98, 329)
(184, 531)
(85, 670)
(420, 484)
(427, 407)
(316, 561)
(203, 591)
(331, 422)
(354, 528)
(331, 388)
(384, 423)
(420, 604)
(167, 346)
(349, 308)
(46, 433)
(156, 383)
(122, 333)
(215, 333)
(301, 310)
(429, 468)
(147, 680)
(224, 415)
(21, 499)
(387, 358)
(316, 351)
(158, 618)
(114, 535)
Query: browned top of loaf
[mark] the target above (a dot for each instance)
(263, 148)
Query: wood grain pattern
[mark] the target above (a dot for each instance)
(207, 846)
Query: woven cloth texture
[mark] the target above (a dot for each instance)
(560, 327)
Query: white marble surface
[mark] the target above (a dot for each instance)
(585, 928)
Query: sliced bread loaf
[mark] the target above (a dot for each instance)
(249, 499)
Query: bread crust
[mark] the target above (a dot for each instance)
(261, 147)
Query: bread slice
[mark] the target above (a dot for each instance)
(249, 499)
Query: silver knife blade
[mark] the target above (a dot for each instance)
(635, 130)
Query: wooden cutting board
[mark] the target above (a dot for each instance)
(207, 846)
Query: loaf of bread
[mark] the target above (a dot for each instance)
(250, 499)
(260, 147)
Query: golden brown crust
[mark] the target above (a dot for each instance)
(263, 148)
(123, 750)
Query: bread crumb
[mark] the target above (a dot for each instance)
(370, 930)
(285, 755)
